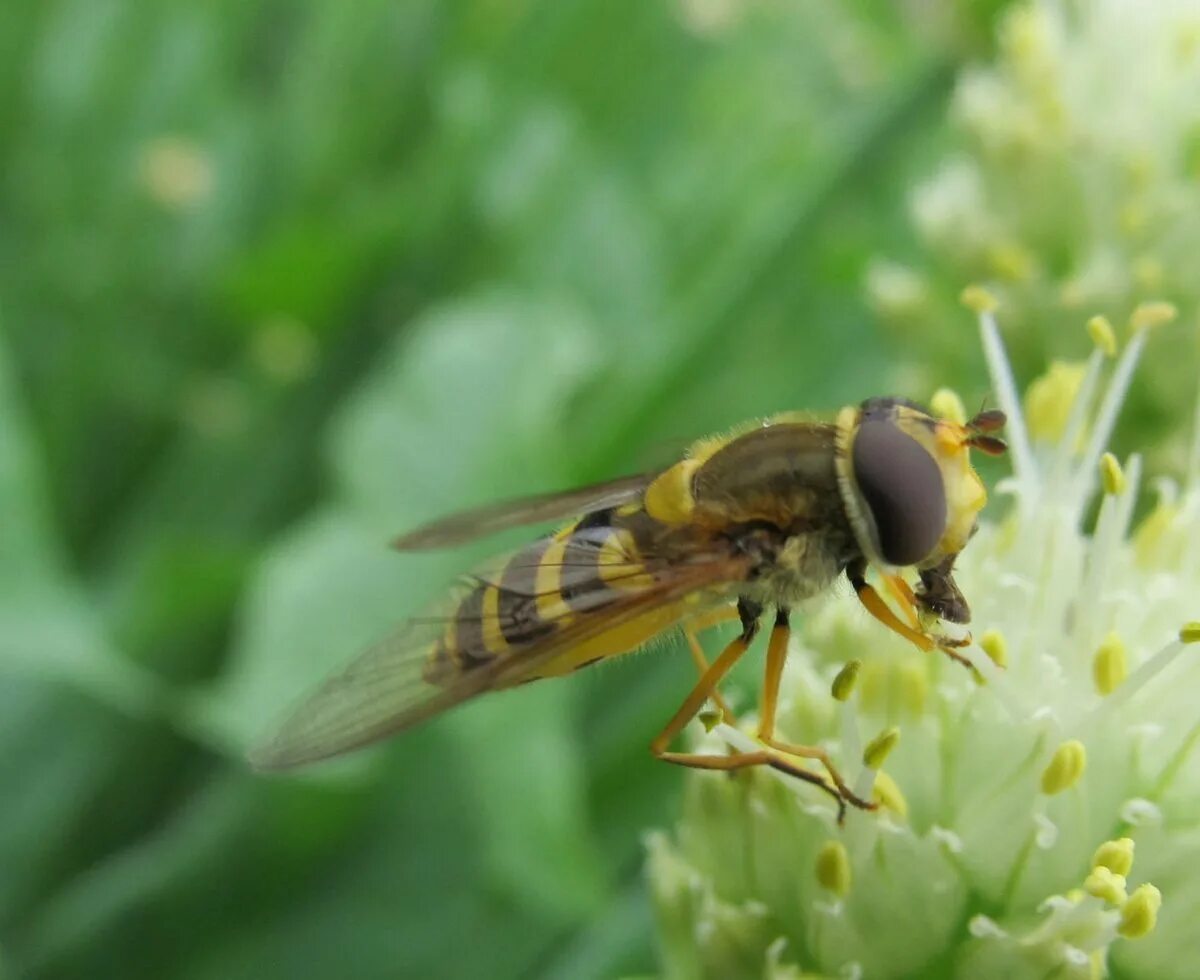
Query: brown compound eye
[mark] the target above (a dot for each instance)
(901, 484)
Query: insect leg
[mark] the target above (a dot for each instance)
(701, 662)
(765, 757)
(691, 630)
(749, 613)
(874, 604)
(903, 594)
(776, 656)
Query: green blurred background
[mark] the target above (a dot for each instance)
(282, 279)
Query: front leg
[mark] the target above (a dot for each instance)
(905, 598)
(874, 604)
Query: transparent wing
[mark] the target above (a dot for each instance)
(388, 688)
(469, 524)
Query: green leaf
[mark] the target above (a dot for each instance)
(62, 689)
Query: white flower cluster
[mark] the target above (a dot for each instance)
(1012, 801)
(1076, 185)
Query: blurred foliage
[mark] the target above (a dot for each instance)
(280, 279)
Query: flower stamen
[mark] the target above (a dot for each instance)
(945, 404)
(880, 747)
(844, 682)
(1081, 408)
(1139, 914)
(1106, 885)
(1024, 467)
(833, 868)
(1116, 855)
(993, 644)
(1153, 666)
(1065, 768)
(1106, 419)
(1103, 335)
(1110, 666)
(1112, 477)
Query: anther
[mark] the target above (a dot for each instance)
(1049, 398)
(833, 868)
(1065, 768)
(1152, 314)
(1116, 855)
(880, 747)
(847, 677)
(1112, 477)
(1011, 261)
(945, 404)
(978, 300)
(1103, 335)
(1110, 666)
(1105, 885)
(1139, 914)
(994, 645)
(887, 794)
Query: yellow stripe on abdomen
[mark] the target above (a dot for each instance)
(622, 639)
(619, 565)
(549, 603)
(490, 631)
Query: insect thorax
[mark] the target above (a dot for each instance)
(791, 568)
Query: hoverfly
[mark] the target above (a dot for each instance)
(767, 517)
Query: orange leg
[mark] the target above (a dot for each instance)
(904, 596)
(703, 691)
(709, 681)
(875, 605)
(776, 657)
(764, 757)
(701, 662)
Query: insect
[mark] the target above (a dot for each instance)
(764, 518)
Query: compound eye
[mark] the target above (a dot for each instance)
(902, 486)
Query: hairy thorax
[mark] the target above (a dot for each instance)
(796, 567)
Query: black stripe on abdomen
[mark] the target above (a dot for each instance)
(582, 586)
(468, 629)
(520, 623)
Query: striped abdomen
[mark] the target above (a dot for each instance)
(541, 589)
